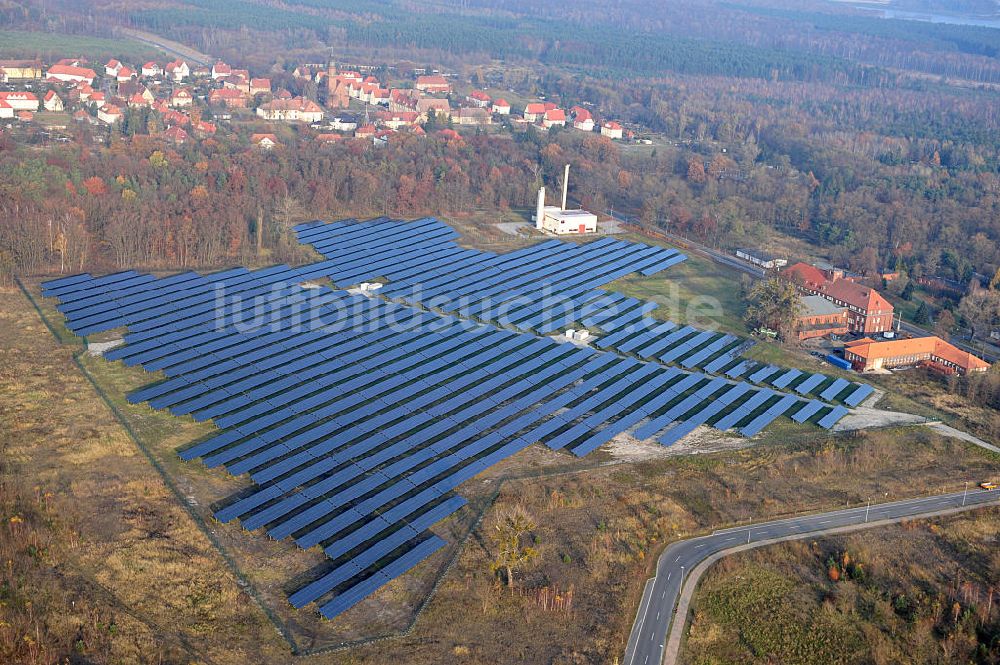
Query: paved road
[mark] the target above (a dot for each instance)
(646, 644)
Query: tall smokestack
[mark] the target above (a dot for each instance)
(565, 186)
(540, 209)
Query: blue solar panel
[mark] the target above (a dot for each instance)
(809, 384)
(859, 395)
(835, 389)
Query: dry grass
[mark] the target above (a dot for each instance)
(919, 592)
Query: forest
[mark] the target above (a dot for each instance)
(772, 119)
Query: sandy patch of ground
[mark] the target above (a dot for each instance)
(626, 448)
(511, 228)
(864, 418)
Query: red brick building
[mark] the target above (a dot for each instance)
(867, 311)
(820, 317)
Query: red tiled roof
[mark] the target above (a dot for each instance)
(555, 115)
(869, 350)
(804, 274)
(69, 70)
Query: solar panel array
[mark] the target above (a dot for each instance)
(356, 417)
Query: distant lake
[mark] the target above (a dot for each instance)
(939, 18)
(879, 9)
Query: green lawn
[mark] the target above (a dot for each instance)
(697, 291)
(50, 46)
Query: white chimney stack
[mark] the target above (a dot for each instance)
(565, 186)
(540, 209)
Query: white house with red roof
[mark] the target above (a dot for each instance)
(6, 110)
(501, 106)
(177, 70)
(554, 118)
(71, 74)
(151, 70)
(109, 114)
(20, 100)
(112, 67)
(125, 74)
(264, 141)
(181, 97)
(480, 99)
(52, 101)
(582, 119)
(260, 86)
(534, 111)
(297, 109)
(221, 69)
(612, 130)
(433, 83)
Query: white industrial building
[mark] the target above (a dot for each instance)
(558, 219)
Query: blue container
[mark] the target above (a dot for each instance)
(837, 361)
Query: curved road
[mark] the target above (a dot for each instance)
(648, 641)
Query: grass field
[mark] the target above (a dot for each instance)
(697, 292)
(919, 592)
(50, 46)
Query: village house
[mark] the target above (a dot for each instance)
(344, 123)
(365, 132)
(204, 128)
(181, 97)
(554, 118)
(235, 82)
(138, 101)
(501, 107)
(612, 130)
(109, 114)
(259, 86)
(112, 68)
(125, 74)
(233, 99)
(264, 141)
(582, 119)
(220, 70)
(97, 98)
(25, 116)
(6, 110)
(134, 88)
(171, 117)
(151, 70)
(534, 111)
(297, 109)
(868, 311)
(433, 84)
(472, 116)
(20, 100)
(480, 99)
(21, 70)
(931, 352)
(428, 105)
(175, 134)
(329, 138)
(397, 119)
(52, 101)
(177, 70)
(71, 74)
